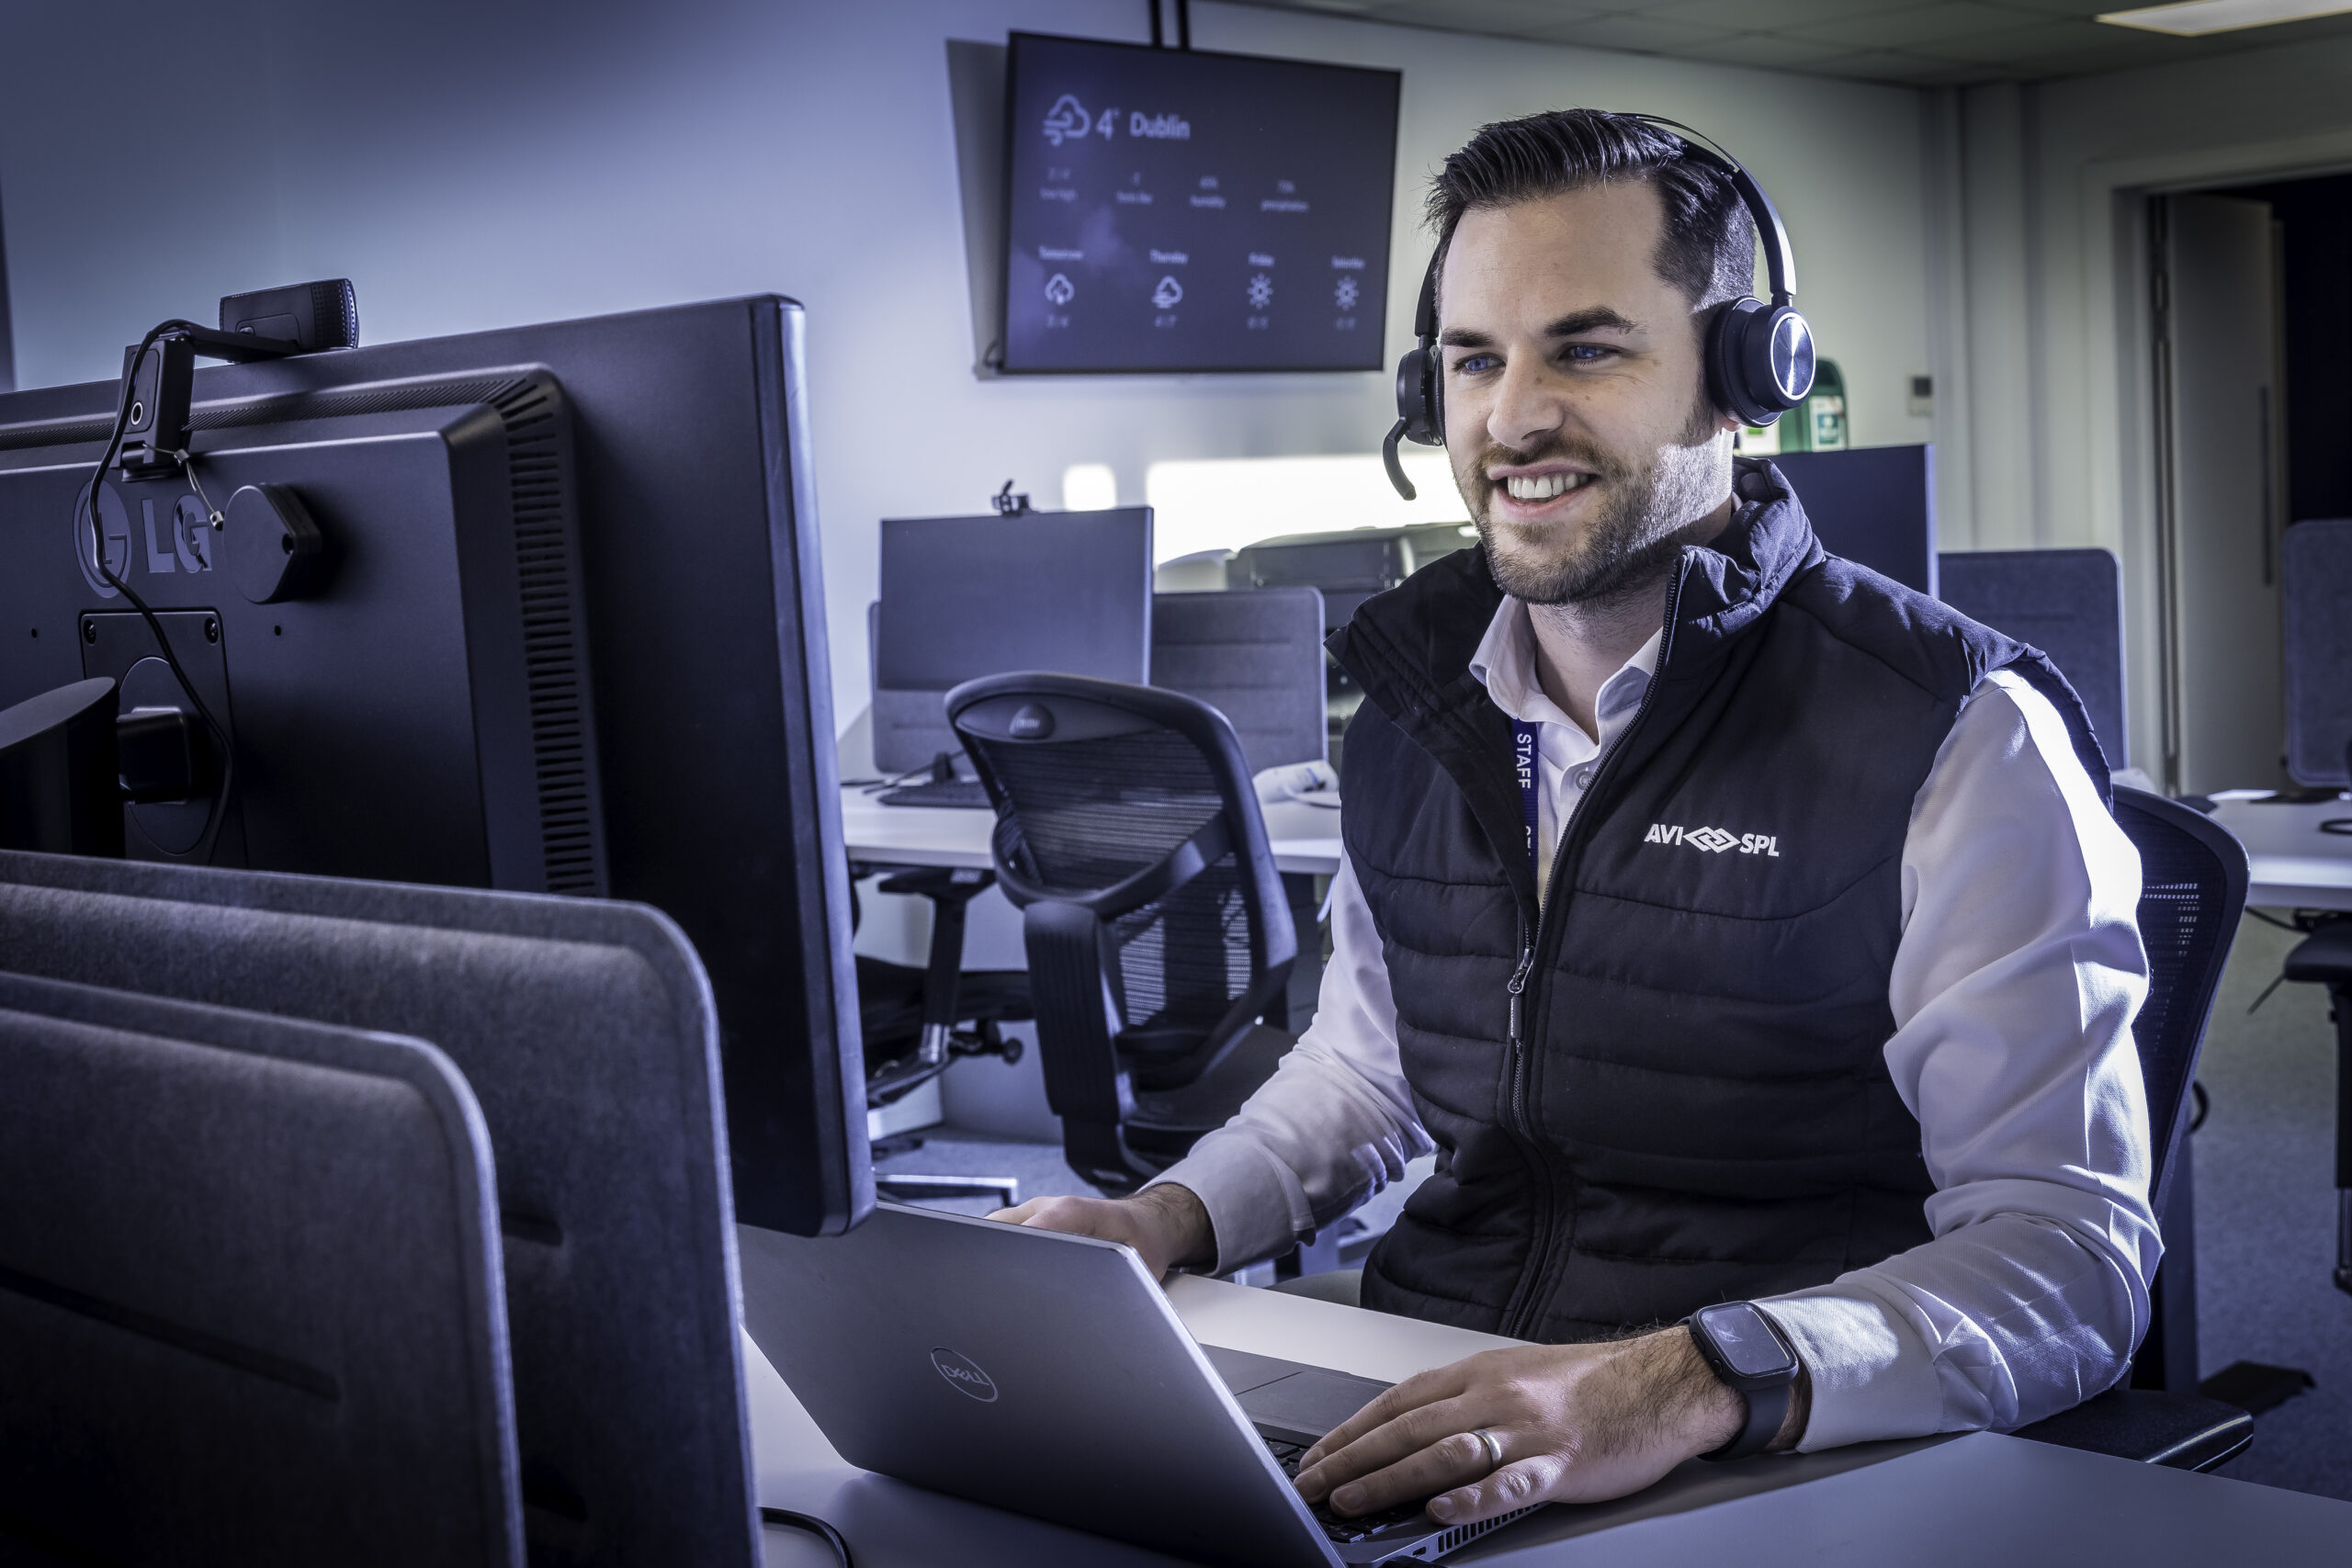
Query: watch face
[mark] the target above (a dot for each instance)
(1745, 1339)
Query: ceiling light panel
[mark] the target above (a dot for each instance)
(2197, 17)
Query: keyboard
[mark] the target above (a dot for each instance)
(1343, 1531)
(963, 793)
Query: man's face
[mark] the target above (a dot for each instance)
(1576, 405)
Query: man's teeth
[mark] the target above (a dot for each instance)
(1543, 487)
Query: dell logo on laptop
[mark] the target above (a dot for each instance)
(963, 1375)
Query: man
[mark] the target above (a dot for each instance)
(1811, 986)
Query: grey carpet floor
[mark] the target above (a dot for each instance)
(2266, 1215)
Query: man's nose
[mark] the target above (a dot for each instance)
(1526, 410)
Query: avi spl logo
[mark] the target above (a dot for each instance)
(963, 1375)
(1714, 840)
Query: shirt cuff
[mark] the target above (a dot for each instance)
(1871, 1378)
(1256, 1207)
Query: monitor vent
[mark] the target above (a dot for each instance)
(553, 664)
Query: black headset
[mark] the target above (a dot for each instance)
(1759, 356)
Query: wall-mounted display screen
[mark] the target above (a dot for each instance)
(1172, 210)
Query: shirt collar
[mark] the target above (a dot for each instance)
(1505, 664)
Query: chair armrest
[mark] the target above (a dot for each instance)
(2181, 1432)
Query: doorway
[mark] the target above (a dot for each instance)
(2252, 322)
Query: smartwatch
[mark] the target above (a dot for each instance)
(1746, 1349)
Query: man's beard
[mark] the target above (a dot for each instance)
(1628, 547)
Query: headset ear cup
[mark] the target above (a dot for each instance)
(1760, 360)
(1417, 398)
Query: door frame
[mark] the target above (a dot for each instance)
(2123, 411)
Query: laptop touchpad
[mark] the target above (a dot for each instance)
(1307, 1404)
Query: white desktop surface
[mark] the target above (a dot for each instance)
(2292, 864)
(1305, 837)
(1961, 1502)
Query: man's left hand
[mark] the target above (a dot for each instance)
(1576, 1423)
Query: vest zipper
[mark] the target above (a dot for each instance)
(1520, 1318)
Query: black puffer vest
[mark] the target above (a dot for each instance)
(1696, 1105)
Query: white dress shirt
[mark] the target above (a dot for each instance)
(2013, 990)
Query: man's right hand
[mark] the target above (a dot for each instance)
(1165, 1225)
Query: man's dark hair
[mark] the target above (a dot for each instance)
(1708, 250)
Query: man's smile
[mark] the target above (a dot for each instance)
(1538, 493)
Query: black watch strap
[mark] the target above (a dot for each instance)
(1767, 1409)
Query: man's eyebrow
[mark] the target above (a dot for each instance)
(1462, 338)
(1599, 318)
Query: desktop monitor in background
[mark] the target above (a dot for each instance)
(1871, 505)
(964, 597)
(570, 638)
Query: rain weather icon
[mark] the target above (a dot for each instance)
(1345, 295)
(1262, 292)
(1066, 121)
(1058, 288)
(1166, 295)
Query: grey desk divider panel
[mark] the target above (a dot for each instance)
(587, 1032)
(250, 1293)
(2069, 603)
(1257, 658)
(2318, 625)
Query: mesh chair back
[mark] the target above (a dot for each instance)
(2192, 892)
(1106, 796)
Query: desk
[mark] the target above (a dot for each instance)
(1305, 837)
(1961, 1501)
(2293, 864)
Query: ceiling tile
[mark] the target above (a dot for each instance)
(1505, 18)
(1768, 16)
(1764, 51)
(1914, 27)
(2014, 44)
(1640, 34)
(1879, 66)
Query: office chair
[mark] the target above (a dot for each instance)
(1129, 837)
(2193, 887)
(250, 1292)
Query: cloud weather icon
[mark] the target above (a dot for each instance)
(1066, 121)
(1262, 292)
(1058, 288)
(1168, 292)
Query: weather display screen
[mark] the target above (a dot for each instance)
(1170, 209)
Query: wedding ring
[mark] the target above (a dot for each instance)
(1494, 1447)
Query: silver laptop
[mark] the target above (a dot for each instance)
(1047, 1375)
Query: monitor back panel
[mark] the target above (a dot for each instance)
(253, 1311)
(1871, 505)
(964, 597)
(712, 681)
(585, 1030)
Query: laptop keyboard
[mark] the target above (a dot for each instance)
(1343, 1531)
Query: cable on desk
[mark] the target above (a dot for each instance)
(814, 1525)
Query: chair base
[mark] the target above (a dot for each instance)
(2177, 1430)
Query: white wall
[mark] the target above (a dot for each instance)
(473, 166)
(2052, 306)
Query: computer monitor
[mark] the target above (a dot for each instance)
(570, 637)
(963, 597)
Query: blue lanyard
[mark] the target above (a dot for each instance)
(1522, 762)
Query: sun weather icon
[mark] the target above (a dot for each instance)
(1066, 122)
(1060, 288)
(1262, 292)
(1166, 295)
(1345, 294)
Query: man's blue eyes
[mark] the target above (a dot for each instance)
(1576, 353)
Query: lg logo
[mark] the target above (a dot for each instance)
(963, 1375)
(177, 536)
